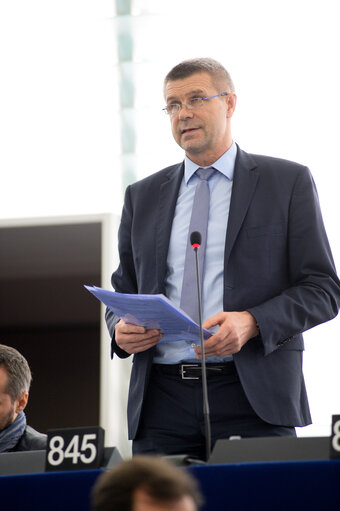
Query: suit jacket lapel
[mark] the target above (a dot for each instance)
(168, 194)
(245, 180)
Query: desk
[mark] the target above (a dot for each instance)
(271, 486)
(278, 486)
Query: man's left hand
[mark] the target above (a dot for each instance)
(236, 328)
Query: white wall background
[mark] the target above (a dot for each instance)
(60, 149)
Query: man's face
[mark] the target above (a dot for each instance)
(8, 411)
(203, 133)
(143, 502)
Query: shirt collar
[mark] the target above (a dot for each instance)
(225, 164)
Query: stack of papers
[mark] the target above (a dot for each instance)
(151, 311)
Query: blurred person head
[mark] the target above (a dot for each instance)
(15, 381)
(146, 483)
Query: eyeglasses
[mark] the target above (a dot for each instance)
(191, 104)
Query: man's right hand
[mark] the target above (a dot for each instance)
(134, 338)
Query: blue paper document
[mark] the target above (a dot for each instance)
(151, 311)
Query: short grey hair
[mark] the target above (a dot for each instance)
(19, 373)
(201, 65)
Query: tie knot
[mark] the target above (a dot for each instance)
(205, 174)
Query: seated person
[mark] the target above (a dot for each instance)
(146, 483)
(15, 381)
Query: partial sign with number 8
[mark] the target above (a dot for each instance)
(74, 448)
(335, 437)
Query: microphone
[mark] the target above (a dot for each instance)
(195, 240)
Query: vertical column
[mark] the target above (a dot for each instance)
(126, 90)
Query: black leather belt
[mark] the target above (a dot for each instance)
(194, 371)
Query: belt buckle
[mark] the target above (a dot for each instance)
(183, 366)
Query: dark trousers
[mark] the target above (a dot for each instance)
(172, 417)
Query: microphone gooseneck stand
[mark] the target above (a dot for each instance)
(195, 240)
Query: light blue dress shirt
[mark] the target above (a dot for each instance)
(220, 185)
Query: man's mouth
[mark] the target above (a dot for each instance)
(188, 130)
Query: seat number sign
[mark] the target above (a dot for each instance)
(335, 437)
(74, 449)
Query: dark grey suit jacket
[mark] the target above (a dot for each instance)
(31, 440)
(277, 265)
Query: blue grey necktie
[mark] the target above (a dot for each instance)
(198, 222)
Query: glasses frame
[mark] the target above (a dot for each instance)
(165, 109)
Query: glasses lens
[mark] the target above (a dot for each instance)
(194, 103)
(173, 108)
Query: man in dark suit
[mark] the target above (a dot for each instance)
(15, 381)
(268, 276)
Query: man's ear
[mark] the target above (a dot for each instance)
(21, 402)
(231, 100)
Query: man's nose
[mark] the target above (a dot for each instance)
(185, 112)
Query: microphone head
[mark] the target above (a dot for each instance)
(195, 239)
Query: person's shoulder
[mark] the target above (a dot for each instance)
(31, 440)
(265, 162)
